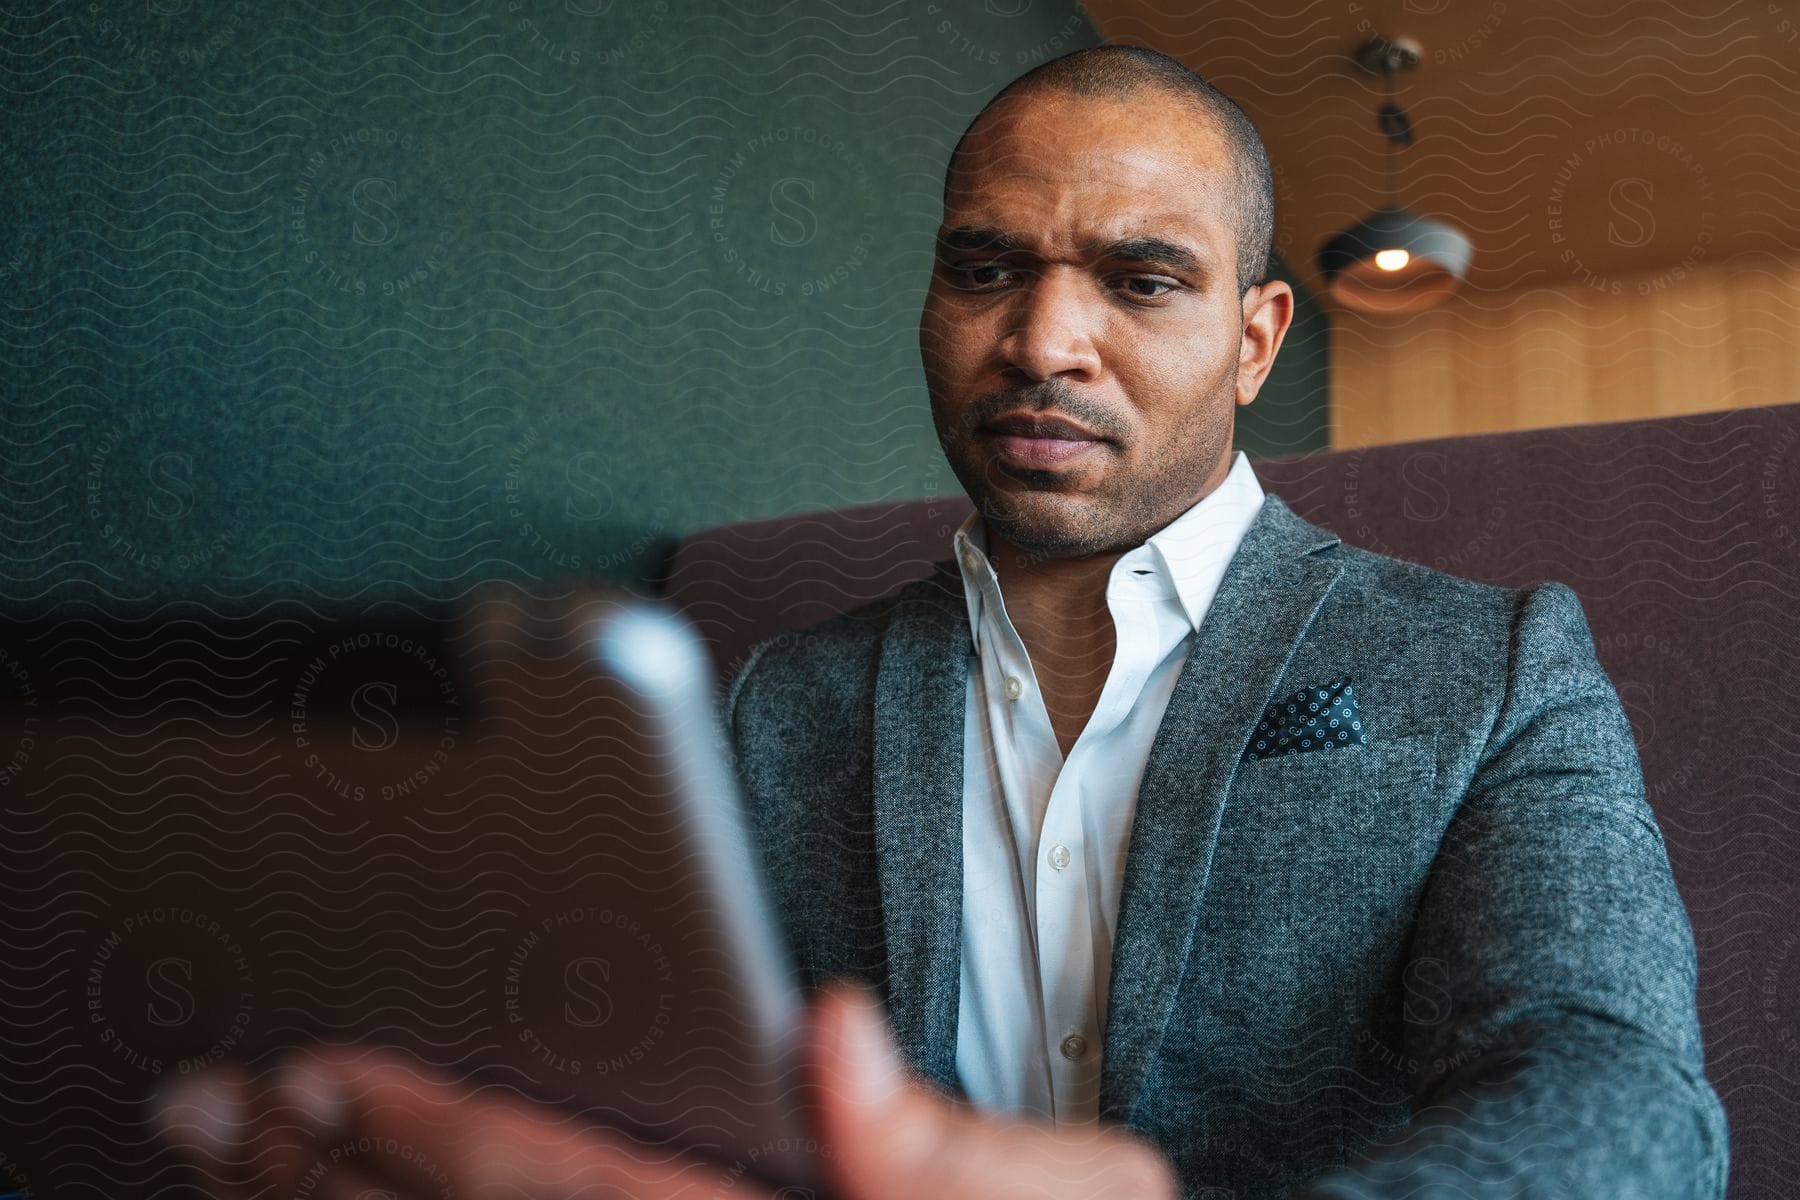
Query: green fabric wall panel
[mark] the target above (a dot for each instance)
(349, 302)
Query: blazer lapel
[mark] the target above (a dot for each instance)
(918, 768)
(1268, 597)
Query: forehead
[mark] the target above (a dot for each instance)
(1065, 169)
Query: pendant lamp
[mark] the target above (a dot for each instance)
(1393, 260)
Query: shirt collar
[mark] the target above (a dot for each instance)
(1187, 557)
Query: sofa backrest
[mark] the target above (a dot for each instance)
(1682, 537)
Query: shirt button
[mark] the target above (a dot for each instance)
(1059, 857)
(970, 561)
(1074, 1046)
(1014, 688)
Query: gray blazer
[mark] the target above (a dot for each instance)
(1450, 963)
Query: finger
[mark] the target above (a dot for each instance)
(429, 1135)
(227, 1123)
(890, 1136)
(206, 1118)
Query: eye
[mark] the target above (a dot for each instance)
(1133, 282)
(975, 277)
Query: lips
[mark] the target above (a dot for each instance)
(1040, 442)
(1038, 426)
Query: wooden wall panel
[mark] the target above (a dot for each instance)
(1722, 336)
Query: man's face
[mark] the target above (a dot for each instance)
(1086, 272)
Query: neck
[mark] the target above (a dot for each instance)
(1059, 608)
(1058, 605)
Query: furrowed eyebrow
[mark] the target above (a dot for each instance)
(968, 237)
(1147, 251)
(1150, 251)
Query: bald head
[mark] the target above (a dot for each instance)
(1133, 74)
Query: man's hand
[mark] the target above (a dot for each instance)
(342, 1121)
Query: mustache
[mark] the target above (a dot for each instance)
(1051, 397)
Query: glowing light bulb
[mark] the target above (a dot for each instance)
(1392, 260)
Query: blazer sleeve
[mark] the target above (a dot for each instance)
(729, 736)
(1565, 1059)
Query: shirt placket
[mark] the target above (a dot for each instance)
(1029, 783)
(1071, 1044)
(1064, 869)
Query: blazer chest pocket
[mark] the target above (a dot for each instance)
(1332, 842)
(1388, 779)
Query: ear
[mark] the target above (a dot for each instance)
(1268, 311)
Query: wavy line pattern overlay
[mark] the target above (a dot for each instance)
(317, 316)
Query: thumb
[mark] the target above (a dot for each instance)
(882, 1130)
(889, 1137)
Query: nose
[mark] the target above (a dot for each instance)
(1050, 328)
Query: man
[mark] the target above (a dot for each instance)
(1188, 847)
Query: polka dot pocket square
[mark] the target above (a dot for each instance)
(1321, 717)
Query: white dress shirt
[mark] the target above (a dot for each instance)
(1044, 840)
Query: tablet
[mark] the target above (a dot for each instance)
(517, 852)
(737, 1015)
(658, 994)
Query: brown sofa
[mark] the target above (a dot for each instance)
(1682, 536)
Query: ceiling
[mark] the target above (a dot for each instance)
(1611, 144)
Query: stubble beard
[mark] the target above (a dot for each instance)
(1046, 522)
(1035, 512)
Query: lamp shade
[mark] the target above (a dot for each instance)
(1394, 261)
